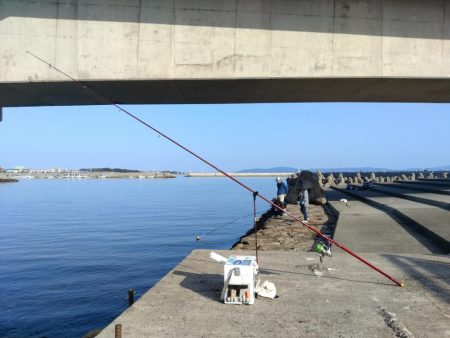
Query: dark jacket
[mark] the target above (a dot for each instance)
(282, 188)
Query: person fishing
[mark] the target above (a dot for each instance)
(281, 190)
(281, 194)
(303, 201)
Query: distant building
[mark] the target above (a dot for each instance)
(20, 169)
(37, 171)
(57, 170)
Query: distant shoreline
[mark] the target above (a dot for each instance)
(86, 175)
(239, 174)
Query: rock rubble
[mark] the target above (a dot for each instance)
(284, 233)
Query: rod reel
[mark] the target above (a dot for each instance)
(322, 250)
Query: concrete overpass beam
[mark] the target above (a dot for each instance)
(186, 51)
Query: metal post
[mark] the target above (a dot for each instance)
(255, 227)
(131, 293)
(118, 331)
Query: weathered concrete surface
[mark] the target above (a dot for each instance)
(442, 201)
(366, 229)
(155, 51)
(418, 187)
(346, 303)
(434, 221)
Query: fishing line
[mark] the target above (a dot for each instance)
(223, 226)
(255, 194)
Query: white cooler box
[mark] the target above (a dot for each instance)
(239, 280)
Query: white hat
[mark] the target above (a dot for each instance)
(278, 179)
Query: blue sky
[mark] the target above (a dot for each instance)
(234, 137)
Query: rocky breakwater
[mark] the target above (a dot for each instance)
(306, 180)
(380, 177)
(284, 233)
(276, 232)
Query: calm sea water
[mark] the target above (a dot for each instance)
(70, 249)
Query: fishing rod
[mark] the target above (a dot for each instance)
(255, 194)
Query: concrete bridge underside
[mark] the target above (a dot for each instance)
(225, 51)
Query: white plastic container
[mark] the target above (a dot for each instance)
(239, 280)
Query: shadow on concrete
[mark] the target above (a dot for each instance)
(205, 284)
(431, 275)
(210, 285)
(203, 260)
(410, 19)
(429, 183)
(334, 196)
(279, 272)
(267, 272)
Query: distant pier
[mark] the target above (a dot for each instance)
(14, 177)
(197, 174)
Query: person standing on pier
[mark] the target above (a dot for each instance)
(281, 189)
(303, 201)
(281, 194)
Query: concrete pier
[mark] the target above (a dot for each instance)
(439, 200)
(424, 220)
(353, 301)
(350, 301)
(364, 228)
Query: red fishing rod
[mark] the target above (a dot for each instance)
(255, 194)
